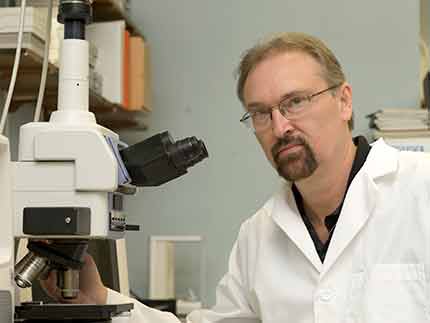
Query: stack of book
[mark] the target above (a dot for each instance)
(123, 64)
(34, 37)
(406, 129)
(34, 28)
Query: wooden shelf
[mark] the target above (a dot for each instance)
(107, 114)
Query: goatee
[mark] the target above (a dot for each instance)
(296, 165)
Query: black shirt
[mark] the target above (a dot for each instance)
(330, 220)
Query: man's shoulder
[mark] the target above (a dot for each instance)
(416, 162)
(385, 148)
(262, 218)
(405, 163)
(415, 156)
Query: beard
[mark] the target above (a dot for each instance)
(295, 165)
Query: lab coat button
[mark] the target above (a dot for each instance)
(326, 295)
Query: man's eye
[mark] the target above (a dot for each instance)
(292, 104)
(295, 101)
(259, 115)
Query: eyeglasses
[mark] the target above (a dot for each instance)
(290, 108)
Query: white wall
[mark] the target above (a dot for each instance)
(425, 20)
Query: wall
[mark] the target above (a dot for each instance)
(425, 20)
(195, 47)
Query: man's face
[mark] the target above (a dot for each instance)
(296, 148)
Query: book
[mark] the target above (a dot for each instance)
(140, 85)
(400, 120)
(400, 134)
(126, 71)
(136, 73)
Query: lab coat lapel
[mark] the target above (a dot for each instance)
(357, 208)
(287, 217)
(360, 200)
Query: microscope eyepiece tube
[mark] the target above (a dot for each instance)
(74, 14)
(160, 159)
(188, 152)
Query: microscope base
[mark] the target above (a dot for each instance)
(79, 313)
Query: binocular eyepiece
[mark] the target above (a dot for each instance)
(160, 159)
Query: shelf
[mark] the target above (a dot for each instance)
(107, 114)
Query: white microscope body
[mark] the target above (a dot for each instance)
(68, 161)
(63, 188)
(7, 286)
(69, 180)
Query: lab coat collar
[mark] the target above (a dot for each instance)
(358, 206)
(287, 217)
(382, 160)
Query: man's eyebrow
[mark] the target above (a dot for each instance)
(255, 106)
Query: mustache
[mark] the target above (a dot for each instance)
(285, 141)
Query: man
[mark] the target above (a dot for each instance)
(346, 238)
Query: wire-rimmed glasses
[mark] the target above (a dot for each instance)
(290, 107)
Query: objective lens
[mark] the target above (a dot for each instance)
(29, 268)
(68, 283)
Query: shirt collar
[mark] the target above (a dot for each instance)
(363, 149)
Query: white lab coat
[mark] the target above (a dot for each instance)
(140, 313)
(377, 267)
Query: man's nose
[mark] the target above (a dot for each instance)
(280, 124)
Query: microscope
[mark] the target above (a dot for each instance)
(69, 183)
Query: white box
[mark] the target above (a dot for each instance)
(35, 20)
(108, 37)
(410, 144)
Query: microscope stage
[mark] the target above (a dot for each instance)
(79, 313)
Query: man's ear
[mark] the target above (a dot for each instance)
(345, 94)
